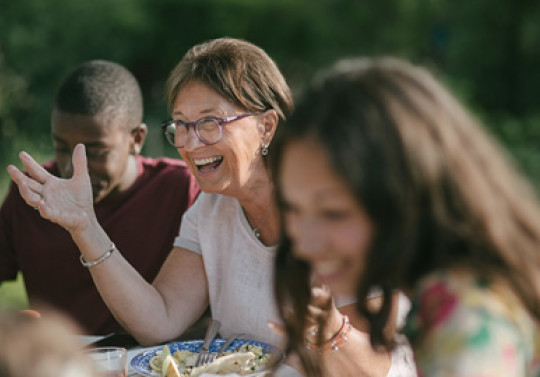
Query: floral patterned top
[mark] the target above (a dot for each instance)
(462, 324)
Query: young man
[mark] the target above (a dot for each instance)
(138, 201)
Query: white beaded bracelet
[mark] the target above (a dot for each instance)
(107, 254)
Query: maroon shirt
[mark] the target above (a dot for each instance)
(142, 222)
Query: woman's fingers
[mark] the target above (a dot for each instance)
(30, 190)
(277, 328)
(35, 170)
(318, 308)
(315, 313)
(80, 169)
(316, 319)
(31, 313)
(31, 186)
(67, 202)
(321, 296)
(15, 174)
(322, 313)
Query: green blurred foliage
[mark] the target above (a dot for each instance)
(488, 53)
(12, 294)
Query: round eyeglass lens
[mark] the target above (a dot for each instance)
(170, 132)
(209, 131)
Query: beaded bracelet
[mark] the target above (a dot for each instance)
(336, 342)
(93, 263)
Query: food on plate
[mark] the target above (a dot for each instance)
(170, 369)
(246, 359)
(233, 363)
(156, 363)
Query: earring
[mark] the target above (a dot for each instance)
(264, 149)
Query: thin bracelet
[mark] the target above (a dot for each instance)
(93, 263)
(337, 341)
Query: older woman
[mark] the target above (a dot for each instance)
(407, 192)
(226, 97)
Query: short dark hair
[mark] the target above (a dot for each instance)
(99, 86)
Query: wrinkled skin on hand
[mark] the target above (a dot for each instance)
(67, 202)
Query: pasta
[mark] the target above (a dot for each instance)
(246, 359)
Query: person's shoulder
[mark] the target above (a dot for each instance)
(162, 163)
(446, 288)
(167, 168)
(458, 295)
(466, 318)
(463, 283)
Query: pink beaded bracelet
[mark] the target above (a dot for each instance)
(336, 342)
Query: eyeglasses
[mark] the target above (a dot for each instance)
(208, 130)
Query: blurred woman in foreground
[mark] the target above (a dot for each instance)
(41, 347)
(406, 191)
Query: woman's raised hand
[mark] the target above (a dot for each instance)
(322, 314)
(67, 202)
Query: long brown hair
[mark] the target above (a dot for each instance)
(438, 188)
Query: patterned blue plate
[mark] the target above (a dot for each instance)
(140, 362)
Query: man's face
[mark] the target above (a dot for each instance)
(108, 149)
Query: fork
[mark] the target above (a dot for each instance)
(229, 340)
(204, 355)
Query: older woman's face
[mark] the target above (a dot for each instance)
(326, 225)
(227, 166)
